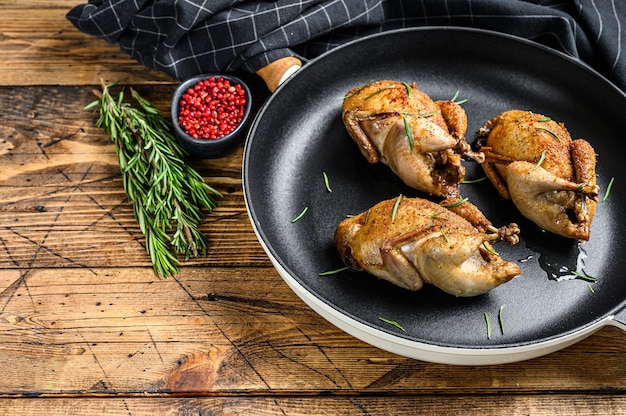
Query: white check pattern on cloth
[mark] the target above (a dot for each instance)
(186, 37)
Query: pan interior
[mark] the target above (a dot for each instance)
(298, 137)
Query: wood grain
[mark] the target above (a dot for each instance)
(86, 327)
(518, 405)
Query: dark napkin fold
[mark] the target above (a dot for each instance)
(186, 37)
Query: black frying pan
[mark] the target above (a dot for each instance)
(298, 135)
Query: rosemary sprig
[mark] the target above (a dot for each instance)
(169, 197)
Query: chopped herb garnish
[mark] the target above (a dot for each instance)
(455, 204)
(408, 88)
(409, 134)
(379, 91)
(584, 277)
(474, 180)
(501, 320)
(590, 288)
(541, 159)
(394, 323)
(426, 115)
(326, 182)
(437, 215)
(358, 90)
(300, 215)
(456, 95)
(395, 208)
(608, 189)
(443, 233)
(544, 119)
(556, 136)
(367, 216)
(329, 272)
(489, 249)
(488, 322)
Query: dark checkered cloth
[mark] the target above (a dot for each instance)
(187, 37)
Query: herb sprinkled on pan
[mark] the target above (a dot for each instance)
(300, 215)
(454, 98)
(488, 322)
(582, 276)
(327, 182)
(392, 322)
(331, 272)
(470, 181)
(608, 189)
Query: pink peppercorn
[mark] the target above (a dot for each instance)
(212, 108)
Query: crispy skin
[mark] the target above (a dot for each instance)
(377, 117)
(550, 178)
(425, 243)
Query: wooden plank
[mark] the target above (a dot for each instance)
(233, 330)
(469, 405)
(39, 46)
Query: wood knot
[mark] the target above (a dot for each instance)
(195, 372)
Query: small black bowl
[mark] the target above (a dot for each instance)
(209, 148)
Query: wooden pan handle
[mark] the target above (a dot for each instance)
(278, 71)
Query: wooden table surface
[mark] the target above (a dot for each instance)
(87, 328)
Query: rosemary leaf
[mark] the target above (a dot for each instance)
(488, 322)
(379, 91)
(408, 132)
(608, 189)
(541, 159)
(455, 204)
(469, 181)
(300, 215)
(584, 277)
(408, 88)
(392, 322)
(553, 134)
(169, 197)
(501, 320)
(395, 208)
(331, 272)
(327, 182)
